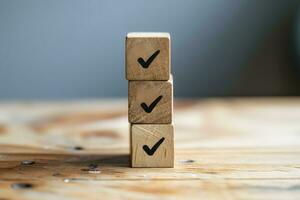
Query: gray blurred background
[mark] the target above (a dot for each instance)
(62, 49)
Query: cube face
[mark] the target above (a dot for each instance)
(152, 145)
(148, 56)
(150, 102)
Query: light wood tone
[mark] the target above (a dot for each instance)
(148, 35)
(149, 134)
(228, 148)
(144, 45)
(147, 92)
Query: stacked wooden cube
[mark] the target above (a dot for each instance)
(150, 99)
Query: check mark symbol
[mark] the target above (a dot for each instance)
(146, 64)
(151, 151)
(148, 109)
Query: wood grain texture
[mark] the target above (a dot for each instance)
(149, 134)
(144, 45)
(147, 92)
(224, 149)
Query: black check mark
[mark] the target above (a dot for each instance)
(151, 151)
(149, 61)
(148, 109)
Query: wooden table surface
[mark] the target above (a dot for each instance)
(224, 149)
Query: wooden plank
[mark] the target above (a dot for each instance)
(154, 189)
(245, 148)
(148, 56)
(114, 165)
(152, 145)
(150, 102)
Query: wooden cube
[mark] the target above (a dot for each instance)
(148, 56)
(150, 102)
(152, 145)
